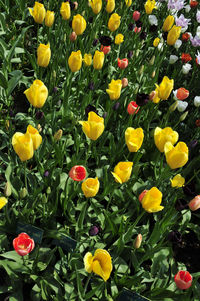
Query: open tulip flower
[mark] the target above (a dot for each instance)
(183, 280)
(177, 181)
(3, 201)
(165, 88)
(122, 64)
(177, 156)
(35, 136)
(100, 263)
(37, 94)
(23, 145)
(134, 138)
(151, 200)
(77, 173)
(161, 136)
(122, 172)
(38, 12)
(90, 187)
(23, 244)
(114, 89)
(181, 93)
(149, 6)
(94, 127)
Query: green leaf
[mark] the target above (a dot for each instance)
(12, 83)
(3, 81)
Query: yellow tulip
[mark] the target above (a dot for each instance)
(35, 136)
(114, 22)
(134, 138)
(96, 5)
(87, 59)
(37, 94)
(75, 61)
(3, 201)
(165, 88)
(114, 89)
(78, 24)
(98, 60)
(177, 181)
(152, 200)
(23, 145)
(38, 12)
(168, 23)
(90, 187)
(128, 3)
(43, 55)
(94, 127)
(173, 35)
(110, 6)
(100, 263)
(149, 6)
(119, 39)
(156, 99)
(177, 156)
(49, 18)
(161, 136)
(65, 10)
(122, 172)
(156, 42)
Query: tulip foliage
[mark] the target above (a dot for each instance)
(99, 153)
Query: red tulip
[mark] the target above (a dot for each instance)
(193, 3)
(77, 173)
(132, 108)
(186, 57)
(194, 204)
(183, 280)
(23, 244)
(136, 15)
(182, 93)
(185, 37)
(122, 64)
(105, 49)
(137, 29)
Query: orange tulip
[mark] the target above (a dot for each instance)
(182, 93)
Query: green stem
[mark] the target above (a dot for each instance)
(86, 285)
(25, 177)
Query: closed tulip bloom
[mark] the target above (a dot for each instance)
(173, 35)
(87, 59)
(119, 39)
(182, 93)
(152, 200)
(124, 82)
(23, 244)
(37, 94)
(168, 23)
(122, 64)
(161, 136)
(128, 3)
(110, 6)
(23, 145)
(3, 201)
(49, 18)
(65, 10)
(43, 55)
(98, 60)
(100, 263)
(75, 61)
(122, 172)
(114, 89)
(96, 5)
(114, 22)
(134, 138)
(94, 127)
(132, 108)
(177, 181)
(77, 173)
(149, 6)
(35, 136)
(90, 187)
(194, 204)
(78, 24)
(38, 12)
(177, 156)
(136, 15)
(105, 49)
(137, 241)
(156, 42)
(165, 88)
(183, 280)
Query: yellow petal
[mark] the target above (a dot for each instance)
(117, 178)
(88, 259)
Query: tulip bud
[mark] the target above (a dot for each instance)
(7, 189)
(173, 107)
(48, 190)
(152, 60)
(151, 95)
(73, 36)
(124, 82)
(137, 241)
(141, 70)
(194, 204)
(197, 101)
(94, 230)
(183, 116)
(44, 199)
(7, 124)
(46, 173)
(23, 193)
(153, 74)
(58, 135)
(75, 5)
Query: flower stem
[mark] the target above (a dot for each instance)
(86, 285)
